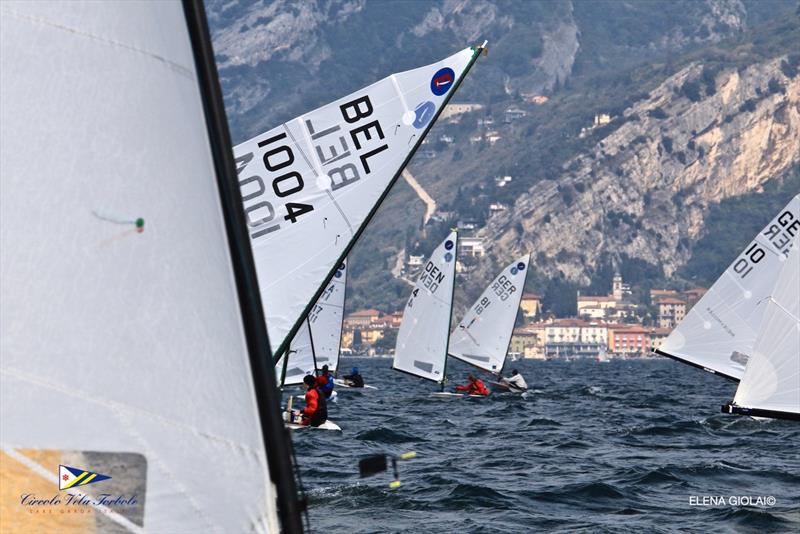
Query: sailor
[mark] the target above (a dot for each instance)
(325, 382)
(515, 382)
(316, 411)
(354, 379)
(473, 387)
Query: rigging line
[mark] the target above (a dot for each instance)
(176, 67)
(44, 473)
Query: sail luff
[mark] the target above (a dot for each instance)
(450, 315)
(276, 439)
(519, 300)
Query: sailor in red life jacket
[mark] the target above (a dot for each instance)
(316, 411)
(474, 387)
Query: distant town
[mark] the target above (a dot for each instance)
(607, 326)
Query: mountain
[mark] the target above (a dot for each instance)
(695, 103)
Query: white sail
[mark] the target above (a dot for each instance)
(299, 358)
(122, 350)
(772, 378)
(719, 332)
(421, 348)
(310, 184)
(326, 318)
(482, 337)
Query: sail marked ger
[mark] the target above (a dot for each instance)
(719, 332)
(421, 348)
(310, 185)
(483, 335)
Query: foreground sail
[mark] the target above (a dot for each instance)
(483, 335)
(311, 185)
(719, 332)
(123, 353)
(421, 348)
(770, 386)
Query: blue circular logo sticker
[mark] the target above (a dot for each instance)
(442, 81)
(423, 114)
(514, 270)
(448, 244)
(448, 257)
(338, 274)
(341, 267)
(521, 266)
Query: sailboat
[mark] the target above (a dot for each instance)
(422, 340)
(726, 328)
(133, 347)
(311, 185)
(770, 386)
(483, 336)
(719, 332)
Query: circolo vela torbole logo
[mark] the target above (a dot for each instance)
(72, 477)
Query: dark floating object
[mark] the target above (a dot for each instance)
(372, 465)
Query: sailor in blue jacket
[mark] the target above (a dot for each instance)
(325, 382)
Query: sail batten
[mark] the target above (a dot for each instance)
(482, 337)
(311, 203)
(719, 332)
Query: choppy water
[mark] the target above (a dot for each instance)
(618, 446)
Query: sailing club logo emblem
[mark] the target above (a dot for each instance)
(72, 477)
(448, 257)
(448, 245)
(442, 81)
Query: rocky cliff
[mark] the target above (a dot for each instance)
(644, 188)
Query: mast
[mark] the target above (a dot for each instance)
(521, 292)
(450, 316)
(275, 435)
(313, 351)
(341, 329)
(477, 50)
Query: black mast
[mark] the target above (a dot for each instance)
(450, 315)
(276, 438)
(282, 347)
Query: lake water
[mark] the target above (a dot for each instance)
(620, 446)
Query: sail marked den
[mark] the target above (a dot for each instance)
(310, 184)
(421, 348)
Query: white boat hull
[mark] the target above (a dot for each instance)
(449, 395)
(343, 385)
(327, 425)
